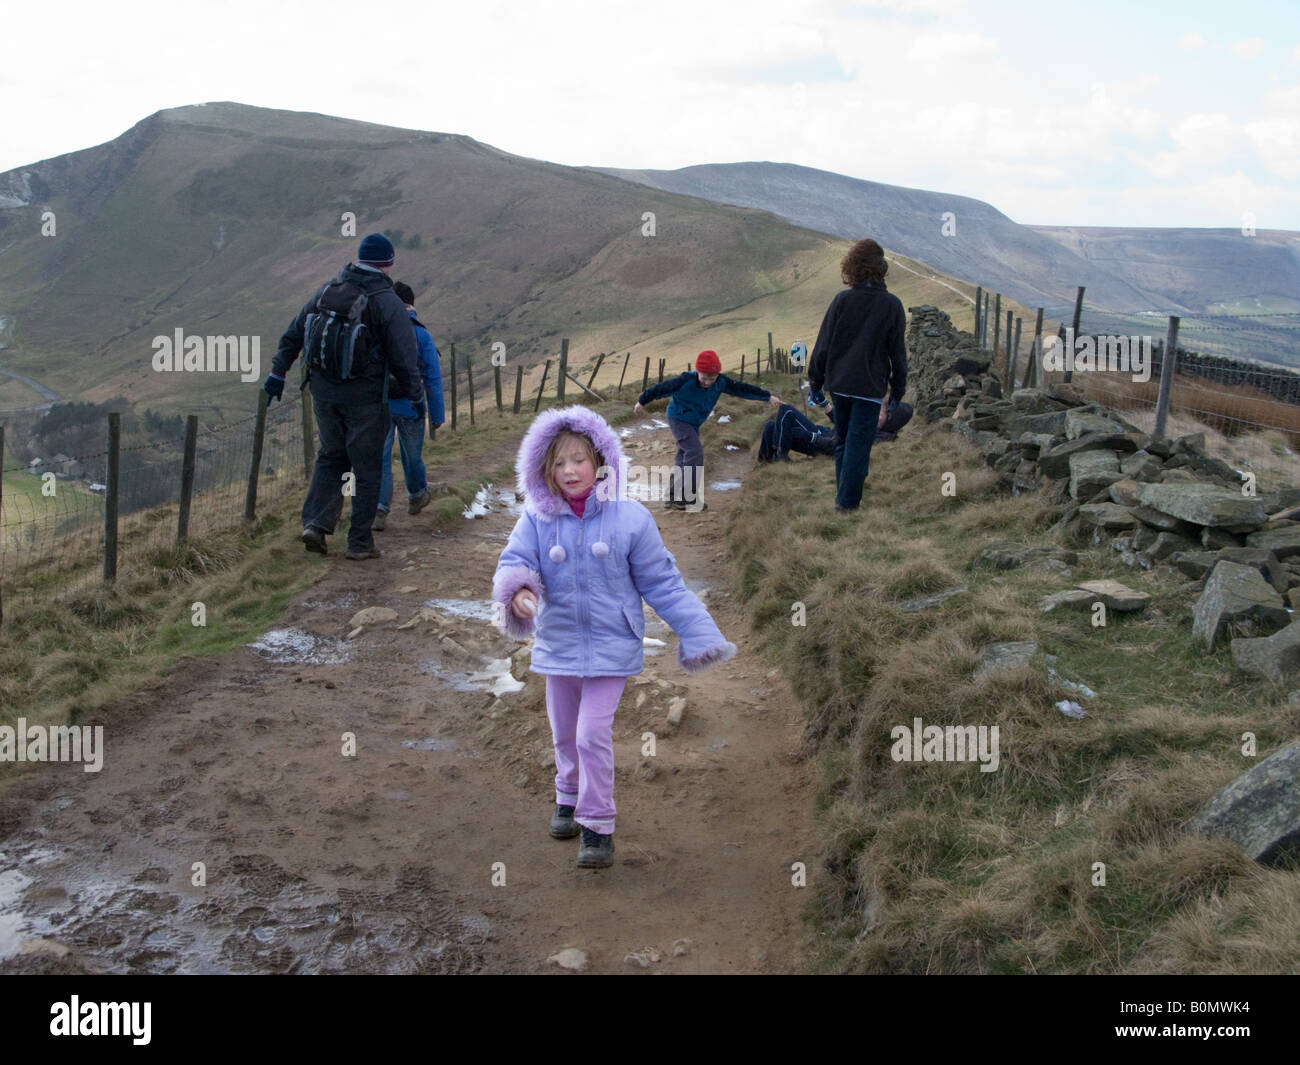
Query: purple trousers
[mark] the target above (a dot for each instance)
(581, 710)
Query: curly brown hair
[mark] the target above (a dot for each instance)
(865, 261)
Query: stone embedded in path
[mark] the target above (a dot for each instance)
(373, 615)
(1107, 516)
(1260, 810)
(998, 657)
(1205, 504)
(1235, 594)
(1282, 542)
(1012, 556)
(1073, 598)
(1092, 472)
(1115, 595)
(1275, 658)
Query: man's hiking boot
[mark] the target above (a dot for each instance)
(563, 826)
(674, 504)
(357, 553)
(597, 851)
(313, 539)
(419, 502)
(381, 516)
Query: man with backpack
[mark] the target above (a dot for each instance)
(354, 332)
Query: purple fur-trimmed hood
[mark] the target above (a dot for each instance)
(539, 499)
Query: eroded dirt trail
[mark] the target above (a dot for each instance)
(388, 861)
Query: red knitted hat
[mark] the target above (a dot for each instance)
(708, 362)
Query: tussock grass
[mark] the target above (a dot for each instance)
(939, 867)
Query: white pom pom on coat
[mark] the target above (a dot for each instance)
(599, 549)
(557, 554)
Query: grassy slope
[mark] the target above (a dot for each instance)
(935, 867)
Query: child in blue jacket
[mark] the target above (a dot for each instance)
(580, 560)
(695, 394)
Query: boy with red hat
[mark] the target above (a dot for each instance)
(695, 394)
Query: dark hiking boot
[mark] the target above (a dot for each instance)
(563, 826)
(597, 851)
(314, 540)
(674, 504)
(381, 517)
(419, 502)
(357, 553)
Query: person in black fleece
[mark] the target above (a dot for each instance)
(859, 358)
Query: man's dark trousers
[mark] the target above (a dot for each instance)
(352, 438)
(855, 431)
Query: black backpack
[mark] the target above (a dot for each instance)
(336, 342)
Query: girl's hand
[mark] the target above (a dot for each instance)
(524, 604)
(639, 409)
(774, 400)
(883, 415)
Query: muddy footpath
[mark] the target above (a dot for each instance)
(233, 830)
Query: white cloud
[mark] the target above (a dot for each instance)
(1277, 143)
(1248, 47)
(1191, 42)
(934, 47)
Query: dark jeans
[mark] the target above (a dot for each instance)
(689, 460)
(351, 438)
(410, 438)
(855, 432)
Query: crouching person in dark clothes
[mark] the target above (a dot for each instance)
(354, 332)
(859, 358)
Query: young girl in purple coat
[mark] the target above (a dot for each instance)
(580, 560)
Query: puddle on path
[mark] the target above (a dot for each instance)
(477, 609)
(643, 427)
(430, 744)
(492, 500)
(729, 485)
(495, 677)
(298, 646)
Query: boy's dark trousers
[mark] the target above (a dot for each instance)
(855, 431)
(352, 438)
(689, 460)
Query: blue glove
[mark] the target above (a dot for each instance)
(274, 386)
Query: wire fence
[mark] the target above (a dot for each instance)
(1125, 365)
(61, 517)
(53, 524)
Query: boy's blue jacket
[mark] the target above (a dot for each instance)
(591, 573)
(692, 403)
(431, 375)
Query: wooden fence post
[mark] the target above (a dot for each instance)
(1036, 351)
(496, 381)
(1168, 365)
(661, 370)
(645, 381)
(542, 387)
(1010, 314)
(997, 323)
(742, 365)
(308, 431)
(564, 371)
(113, 489)
(1013, 355)
(979, 298)
(769, 351)
(259, 436)
(1074, 330)
(591, 381)
(626, 359)
(187, 478)
(519, 386)
(453, 387)
(469, 379)
(758, 365)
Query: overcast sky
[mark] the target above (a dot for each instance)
(1102, 113)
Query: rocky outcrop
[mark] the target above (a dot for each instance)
(1260, 810)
